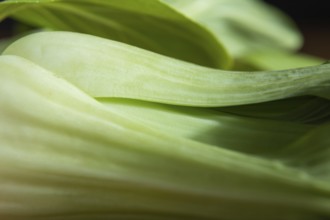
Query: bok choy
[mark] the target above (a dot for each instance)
(136, 110)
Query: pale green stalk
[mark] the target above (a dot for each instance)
(242, 25)
(91, 128)
(307, 109)
(272, 59)
(249, 28)
(100, 68)
(149, 24)
(212, 127)
(65, 156)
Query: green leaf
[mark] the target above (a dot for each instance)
(147, 24)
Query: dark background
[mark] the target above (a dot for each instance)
(311, 16)
(313, 20)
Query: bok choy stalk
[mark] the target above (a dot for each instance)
(254, 33)
(152, 25)
(214, 128)
(153, 77)
(305, 110)
(91, 128)
(242, 25)
(65, 155)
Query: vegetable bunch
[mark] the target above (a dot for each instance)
(161, 109)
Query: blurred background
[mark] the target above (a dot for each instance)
(313, 20)
(311, 17)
